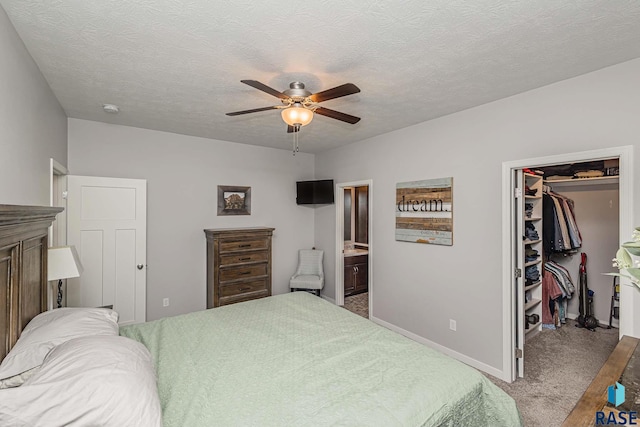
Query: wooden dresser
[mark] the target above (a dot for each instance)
(238, 264)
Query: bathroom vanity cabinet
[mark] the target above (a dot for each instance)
(356, 274)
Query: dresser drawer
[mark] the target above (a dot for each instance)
(244, 287)
(243, 258)
(243, 245)
(243, 297)
(242, 272)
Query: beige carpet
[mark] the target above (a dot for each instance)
(358, 304)
(559, 366)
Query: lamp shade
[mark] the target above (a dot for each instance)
(63, 263)
(296, 115)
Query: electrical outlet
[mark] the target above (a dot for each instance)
(452, 324)
(165, 302)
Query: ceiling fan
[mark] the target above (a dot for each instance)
(298, 104)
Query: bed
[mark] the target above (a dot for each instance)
(298, 360)
(286, 360)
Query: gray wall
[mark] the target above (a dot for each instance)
(182, 174)
(597, 213)
(33, 126)
(420, 287)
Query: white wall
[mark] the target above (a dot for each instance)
(182, 174)
(33, 126)
(420, 287)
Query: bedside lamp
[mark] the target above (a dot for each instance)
(63, 263)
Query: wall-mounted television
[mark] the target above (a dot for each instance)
(318, 192)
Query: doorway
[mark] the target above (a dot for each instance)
(513, 357)
(108, 217)
(58, 229)
(354, 246)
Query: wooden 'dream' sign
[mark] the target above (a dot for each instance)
(424, 211)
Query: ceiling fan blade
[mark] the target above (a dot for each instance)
(255, 110)
(263, 87)
(336, 92)
(337, 115)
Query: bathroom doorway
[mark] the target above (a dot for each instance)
(353, 247)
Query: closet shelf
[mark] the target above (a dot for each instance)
(532, 286)
(531, 204)
(532, 242)
(532, 304)
(600, 180)
(532, 328)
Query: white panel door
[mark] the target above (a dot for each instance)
(107, 223)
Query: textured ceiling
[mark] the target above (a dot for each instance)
(176, 65)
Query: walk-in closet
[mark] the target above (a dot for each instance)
(568, 218)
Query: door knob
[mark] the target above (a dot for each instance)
(140, 266)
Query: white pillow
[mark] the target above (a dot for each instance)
(54, 327)
(89, 381)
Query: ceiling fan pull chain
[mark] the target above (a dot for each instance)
(294, 143)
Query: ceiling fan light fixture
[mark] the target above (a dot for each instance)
(296, 115)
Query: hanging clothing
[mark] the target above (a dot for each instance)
(562, 277)
(557, 289)
(550, 291)
(560, 231)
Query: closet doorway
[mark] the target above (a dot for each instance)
(354, 247)
(525, 257)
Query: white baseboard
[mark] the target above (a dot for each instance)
(459, 356)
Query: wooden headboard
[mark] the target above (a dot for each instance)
(23, 268)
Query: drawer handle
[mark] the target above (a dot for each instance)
(245, 272)
(248, 245)
(244, 289)
(245, 259)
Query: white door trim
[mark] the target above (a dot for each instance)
(56, 172)
(625, 154)
(339, 279)
(55, 168)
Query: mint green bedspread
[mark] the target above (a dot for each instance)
(297, 360)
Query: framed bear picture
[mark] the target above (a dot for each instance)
(234, 200)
